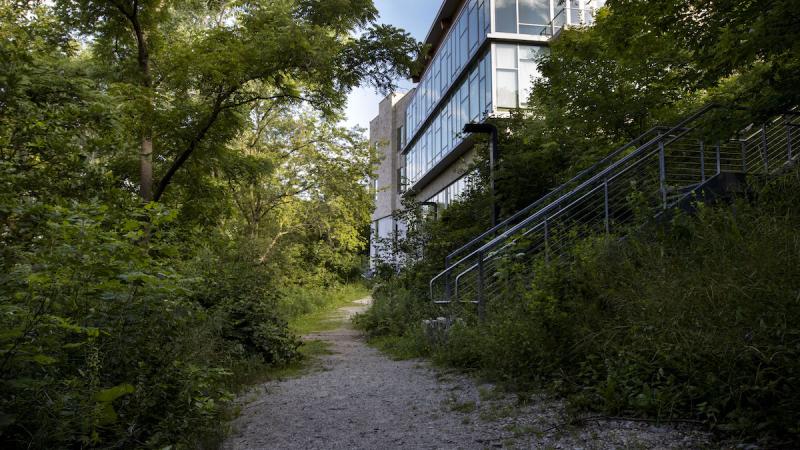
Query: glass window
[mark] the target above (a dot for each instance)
(400, 137)
(506, 88)
(506, 16)
(463, 42)
(451, 193)
(474, 97)
(443, 133)
(481, 19)
(474, 30)
(517, 67)
(487, 67)
(535, 12)
(525, 16)
(528, 71)
(463, 39)
(506, 56)
(575, 12)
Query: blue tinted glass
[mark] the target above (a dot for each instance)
(505, 16)
(474, 29)
(534, 12)
(474, 96)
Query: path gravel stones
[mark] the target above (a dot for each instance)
(357, 398)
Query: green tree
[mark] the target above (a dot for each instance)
(191, 69)
(750, 48)
(105, 342)
(297, 180)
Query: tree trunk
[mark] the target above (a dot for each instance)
(146, 169)
(146, 146)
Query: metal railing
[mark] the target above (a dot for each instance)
(666, 166)
(569, 17)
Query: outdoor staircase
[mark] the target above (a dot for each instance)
(663, 169)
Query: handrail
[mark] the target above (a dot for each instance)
(494, 242)
(759, 144)
(491, 245)
(552, 193)
(600, 175)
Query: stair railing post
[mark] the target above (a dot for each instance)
(703, 161)
(605, 204)
(481, 293)
(546, 240)
(447, 279)
(764, 148)
(662, 169)
(719, 159)
(744, 156)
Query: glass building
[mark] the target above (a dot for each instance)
(482, 62)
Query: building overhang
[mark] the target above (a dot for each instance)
(443, 165)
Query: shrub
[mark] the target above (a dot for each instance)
(696, 318)
(102, 344)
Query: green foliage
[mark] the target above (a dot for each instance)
(644, 63)
(311, 308)
(754, 42)
(694, 319)
(691, 320)
(189, 72)
(100, 335)
(125, 325)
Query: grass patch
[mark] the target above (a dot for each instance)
(488, 393)
(322, 315)
(310, 351)
(499, 411)
(398, 348)
(462, 407)
(466, 407)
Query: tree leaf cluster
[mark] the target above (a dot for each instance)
(131, 324)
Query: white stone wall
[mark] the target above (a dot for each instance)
(384, 137)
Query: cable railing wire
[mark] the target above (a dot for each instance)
(663, 166)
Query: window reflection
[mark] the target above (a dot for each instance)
(517, 67)
(506, 16)
(451, 193)
(470, 102)
(523, 16)
(461, 44)
(534, 12)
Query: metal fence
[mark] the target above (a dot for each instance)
(570, 16)
(647, 176)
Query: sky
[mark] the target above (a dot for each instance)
(414, 16)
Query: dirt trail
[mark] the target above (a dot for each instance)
(359, 399)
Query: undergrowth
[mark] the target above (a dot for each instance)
(695, 319)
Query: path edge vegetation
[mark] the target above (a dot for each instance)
(694, 320)
(131, 323)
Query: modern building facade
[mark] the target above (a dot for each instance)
(481, 63)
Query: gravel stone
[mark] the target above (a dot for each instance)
(360, 399)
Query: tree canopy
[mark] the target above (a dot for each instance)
(189, 70)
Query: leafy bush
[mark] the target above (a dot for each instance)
(692, 319)
(255, 327)
(100, 343)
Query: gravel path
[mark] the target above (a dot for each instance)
(359, 399)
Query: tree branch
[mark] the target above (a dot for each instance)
(193, 144)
